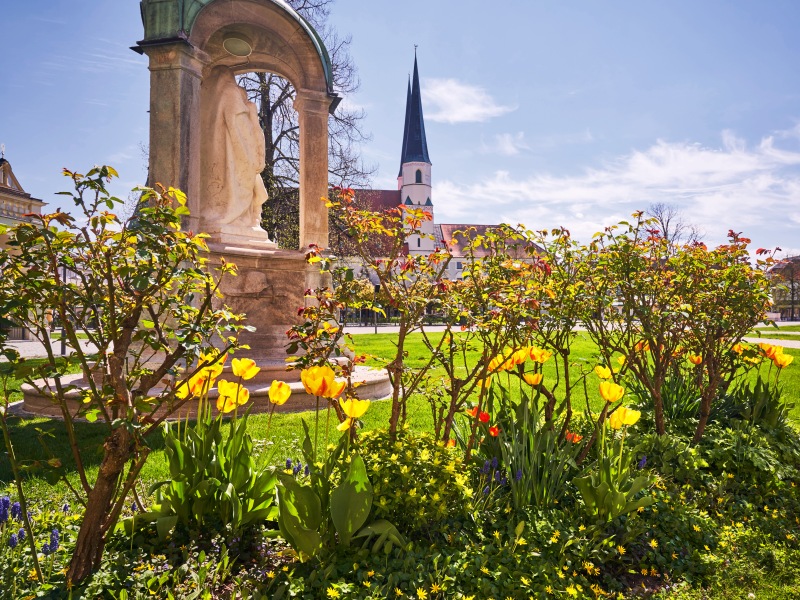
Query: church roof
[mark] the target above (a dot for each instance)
(377, 200)
(452, 236)
(415, 145)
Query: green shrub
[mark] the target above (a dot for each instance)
(418, 483)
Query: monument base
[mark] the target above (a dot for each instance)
(269, 289)
(373, 384)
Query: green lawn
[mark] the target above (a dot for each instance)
(284, 439)
(31, 436)
(781, 328)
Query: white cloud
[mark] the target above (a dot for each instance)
(749, 188)
(451, 101)
(507, 144)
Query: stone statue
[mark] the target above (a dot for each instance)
(233, 156)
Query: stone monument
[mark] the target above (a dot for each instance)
(205, 139)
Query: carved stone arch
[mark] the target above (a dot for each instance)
(184, 41)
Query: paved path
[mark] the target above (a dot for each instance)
(785, 343)
(37, 349)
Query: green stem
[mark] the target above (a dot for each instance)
(12, 459)
(316, 431)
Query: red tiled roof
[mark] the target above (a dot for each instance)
(458, 242)
(377, 200)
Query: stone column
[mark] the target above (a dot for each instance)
(312, 108)
(175, 76)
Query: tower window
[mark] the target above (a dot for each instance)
(408, 200)
(418, 243)
(419, 176)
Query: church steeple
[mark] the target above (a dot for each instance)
(405, 127)
(415, 145)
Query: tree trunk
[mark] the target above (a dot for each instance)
(92, 535)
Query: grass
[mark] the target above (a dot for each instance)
(39, 439)
(780, 328)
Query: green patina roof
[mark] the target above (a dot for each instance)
(170, 19)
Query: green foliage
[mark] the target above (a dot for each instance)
(612, 486)
(419, 484)
(214, 484)
(333, 506)
(538, 460)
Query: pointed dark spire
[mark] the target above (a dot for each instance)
(415, 145)
(405, 127)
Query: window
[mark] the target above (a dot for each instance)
(408, 200)
(459, 266)
(419, 176)
(419, 243)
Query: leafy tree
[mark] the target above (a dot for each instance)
(144, 296)
(274, 97)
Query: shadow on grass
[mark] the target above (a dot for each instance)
(38, 440)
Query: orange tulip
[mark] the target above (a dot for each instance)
(573, 437)
(494, 431)
(695, 359)
(245, 368)
(611, 392)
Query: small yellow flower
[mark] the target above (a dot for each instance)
(654, 543)
(332, 592)
(436, 588)
(525, 580)
(621, 550)
(398, 592)
(696, 527)
(421, 594)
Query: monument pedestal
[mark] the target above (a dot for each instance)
(269, 289)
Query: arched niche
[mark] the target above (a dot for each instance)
(185, 40)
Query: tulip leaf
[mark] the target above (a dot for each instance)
(351, 501)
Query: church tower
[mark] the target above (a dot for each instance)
(414, 179)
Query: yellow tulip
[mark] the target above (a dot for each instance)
(602, 372)
(520, 356)
(213, 370)
(783, 360)
(194, 387)
(621, 360)
(695, 359)
(770, 350)
(485, 383)
(611, 392)
(279, 392)
(245, 368)
(354, 408)
(539, 355)
(533, 378)
(231, 395)
(738, 348)
(321, 381)
(623, 417)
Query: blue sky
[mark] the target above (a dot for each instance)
(545, 113)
